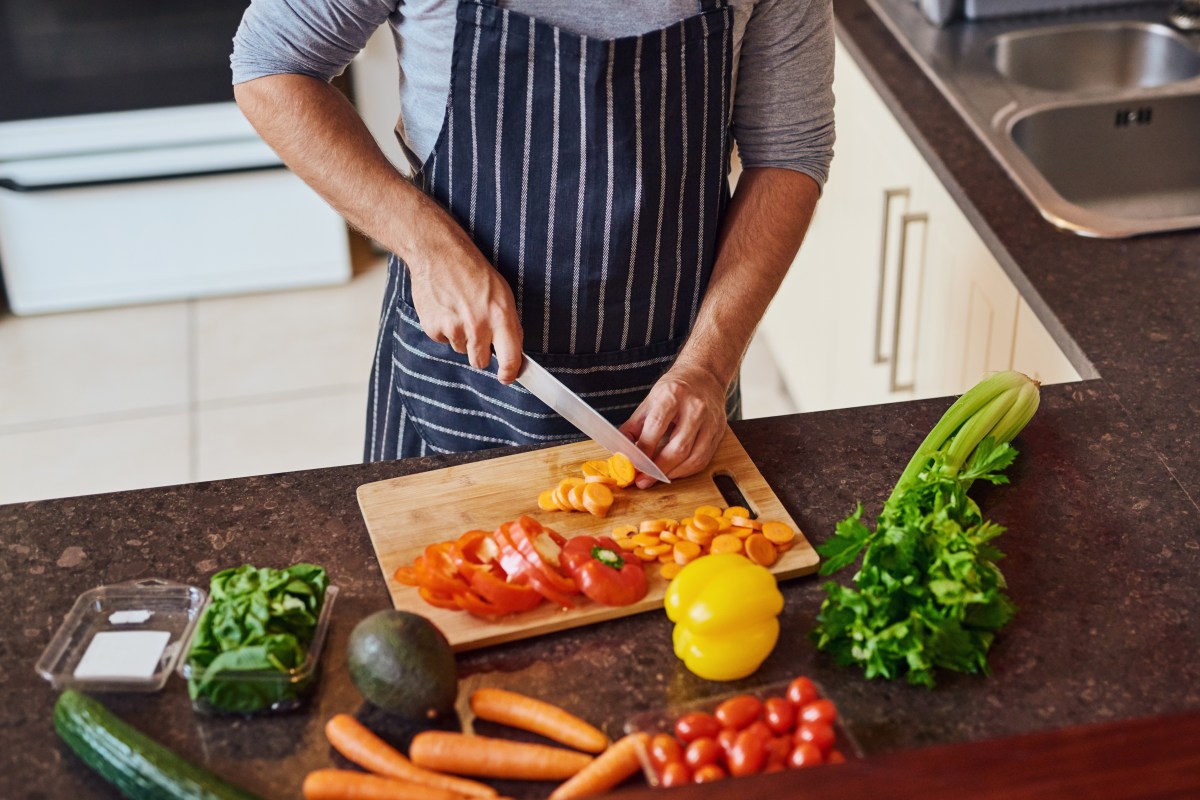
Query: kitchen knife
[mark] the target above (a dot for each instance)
(551, 391)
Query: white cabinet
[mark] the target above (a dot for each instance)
(893, 296)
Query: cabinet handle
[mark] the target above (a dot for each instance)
(888, 196)
(905, 221)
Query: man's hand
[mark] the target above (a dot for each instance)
(681, 421)
(460, 298)
(463, 301)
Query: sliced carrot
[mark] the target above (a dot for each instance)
(604, 479)
(666, 558)
(575, 497)
(611, 768)
(726, 543)
(596, 468)
(546, 501)
(778, 532)
(760, 550)
(621, 468)
(668, 537)
(360, 745)
(627, 543)
(644, 554)
(654, 525)
(597, 499)
(622, 531)
(647, 539)
(699, 537)
(708, 511)
(538, 716)
(723, 524)
(659, 549)
(347, 784)
(669, 571)
(560, 496)
(746, 522)
(704, 523)
(494, 758)
(740, 533)
(686, 551)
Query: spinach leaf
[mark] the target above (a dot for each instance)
(253, 636)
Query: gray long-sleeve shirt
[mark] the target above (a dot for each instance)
(783, 60)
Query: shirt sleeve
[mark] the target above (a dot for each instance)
(783, 103)
(306, 37)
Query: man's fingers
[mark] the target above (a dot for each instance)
(507, 343)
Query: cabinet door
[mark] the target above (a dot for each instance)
(832, 325)
(969, 306)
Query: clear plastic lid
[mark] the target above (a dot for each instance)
(126, 637)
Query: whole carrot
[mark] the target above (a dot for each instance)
(494, 758)
(607, 770)
(358, 744)
(538, 716)
(344, 784)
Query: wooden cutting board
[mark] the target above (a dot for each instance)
(406, 514)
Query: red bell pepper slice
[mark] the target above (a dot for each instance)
(527, 535)
(523, 571)
(602, 573)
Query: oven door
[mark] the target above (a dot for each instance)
(71, 57)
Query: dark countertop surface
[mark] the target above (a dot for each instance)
(1103, 537)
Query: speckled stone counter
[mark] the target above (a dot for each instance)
(1103, 543)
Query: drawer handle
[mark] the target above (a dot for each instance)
(888, 196)
(905, 222)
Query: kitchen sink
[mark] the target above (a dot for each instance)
(1094, 114)
(1138, 161)
(1113, 55)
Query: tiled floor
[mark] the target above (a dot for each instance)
(196, 390)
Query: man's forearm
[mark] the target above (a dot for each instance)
(763, 229)
(320, 136)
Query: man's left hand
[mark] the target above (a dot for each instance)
(680, 423)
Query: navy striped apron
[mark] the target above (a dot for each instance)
(592, 174)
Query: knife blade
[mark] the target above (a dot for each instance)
(551, 391)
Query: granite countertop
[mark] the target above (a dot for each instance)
(1103, 545)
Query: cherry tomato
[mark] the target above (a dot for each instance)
(664, 749)
(779, 749)
(817, 733)
(726, 738)
(749, 754)
(835, 757)
(693, 725)
(674, 774)
(802, 691)
(805, 754)
(702, 752)
(738, 712)
(708, 774)
(780, 715)
(819, 711)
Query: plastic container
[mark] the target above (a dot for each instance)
(663, 721)
(265, 691)
(126, 637)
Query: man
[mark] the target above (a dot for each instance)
(567, 196)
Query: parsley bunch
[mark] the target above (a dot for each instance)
(929, 593)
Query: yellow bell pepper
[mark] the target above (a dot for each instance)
(725, 610)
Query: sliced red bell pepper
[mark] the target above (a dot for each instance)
(602, 573)
(526, 533)
(522, 571)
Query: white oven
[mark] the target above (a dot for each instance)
(127, 174)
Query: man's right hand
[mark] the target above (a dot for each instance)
(463, 301)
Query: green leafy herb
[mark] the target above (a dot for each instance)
(254, 634)
(929, 593)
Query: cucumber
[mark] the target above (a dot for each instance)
(131, 761)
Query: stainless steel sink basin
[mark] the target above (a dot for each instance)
(1113, 56)
(1134, 161)
(1095, 115)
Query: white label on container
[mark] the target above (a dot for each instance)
(130, 617)
(122, 655)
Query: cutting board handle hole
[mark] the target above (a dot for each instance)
(733, 495)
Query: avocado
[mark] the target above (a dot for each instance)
(403, 664)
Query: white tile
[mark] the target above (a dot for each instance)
(93, 458)
(288, 341)
(764, 393)
(302, 433)
(62, 366)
